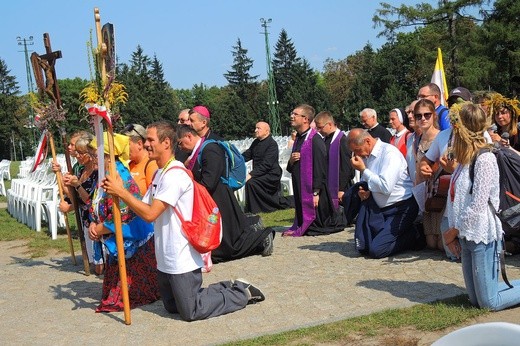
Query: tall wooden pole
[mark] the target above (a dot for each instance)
(102, 51)
(52, 89)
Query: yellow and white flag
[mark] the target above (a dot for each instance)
(439, 77)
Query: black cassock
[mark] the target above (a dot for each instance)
(263, 192)
(346, 172)
(239, 237)
(327, 219)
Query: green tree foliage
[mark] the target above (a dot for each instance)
(13, 114)
(499, 40)
(150, 97)
(445, 16)
(285, 60)
(69, 92)
(163, 101)
(241, 100)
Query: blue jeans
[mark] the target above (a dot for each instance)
(481, 267)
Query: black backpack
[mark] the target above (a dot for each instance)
(509, 167)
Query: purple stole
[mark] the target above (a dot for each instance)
(333, 174)
(191, 163)
(308, 211)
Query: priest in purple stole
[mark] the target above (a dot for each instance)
(340, 173)
(314, 210)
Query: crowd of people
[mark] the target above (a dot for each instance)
(368, 177)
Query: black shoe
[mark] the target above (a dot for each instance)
(254, 295)
(268, 245)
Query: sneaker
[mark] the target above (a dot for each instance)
(268, 245)
(254, 295)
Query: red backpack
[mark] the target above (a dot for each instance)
(204, 231)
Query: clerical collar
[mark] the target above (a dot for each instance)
(303, 133)
(373, 127)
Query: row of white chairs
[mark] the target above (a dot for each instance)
(34, 198)
(5, 173)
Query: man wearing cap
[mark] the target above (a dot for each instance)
(141, 166)
(432, 92)
(199, 121)
(458, 95)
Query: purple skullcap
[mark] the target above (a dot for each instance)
(202, 111)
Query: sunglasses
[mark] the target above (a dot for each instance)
(419, 116)
(130, 128)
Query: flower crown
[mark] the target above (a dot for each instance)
(498, 101)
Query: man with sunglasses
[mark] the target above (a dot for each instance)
(141, 166)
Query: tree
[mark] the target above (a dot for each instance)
(69, 92)
(243, 85)
(13, 114)
(161, 93)
(446, 17)
(499, 43)
(138, 82)
(239, 77)
(284, 61)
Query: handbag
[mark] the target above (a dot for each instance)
(437, 192)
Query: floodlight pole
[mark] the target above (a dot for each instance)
(30, 85)
(272, 102)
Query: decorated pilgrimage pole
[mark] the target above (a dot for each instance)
(50, 113)
(102, 93)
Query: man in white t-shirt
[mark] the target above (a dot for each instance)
(178, 263)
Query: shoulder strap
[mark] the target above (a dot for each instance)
(146, 166)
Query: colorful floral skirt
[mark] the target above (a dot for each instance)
(141, 272)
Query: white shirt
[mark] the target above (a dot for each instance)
(439, 147)
(173, 252)
(387, 175)
(470, 213)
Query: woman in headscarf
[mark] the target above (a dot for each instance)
(399, 122)
(137, 235)
(475, 233)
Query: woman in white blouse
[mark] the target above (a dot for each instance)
(475, 233)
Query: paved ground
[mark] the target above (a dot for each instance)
(307, 281)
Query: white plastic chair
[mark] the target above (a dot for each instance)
(494, 333)
(286, 182)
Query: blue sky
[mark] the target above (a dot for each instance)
(192, 39)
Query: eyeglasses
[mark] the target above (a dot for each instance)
(419, 116)
(298, 115)
(320, 127)
(130, 128)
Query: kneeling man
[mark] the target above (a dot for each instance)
(385, 223)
